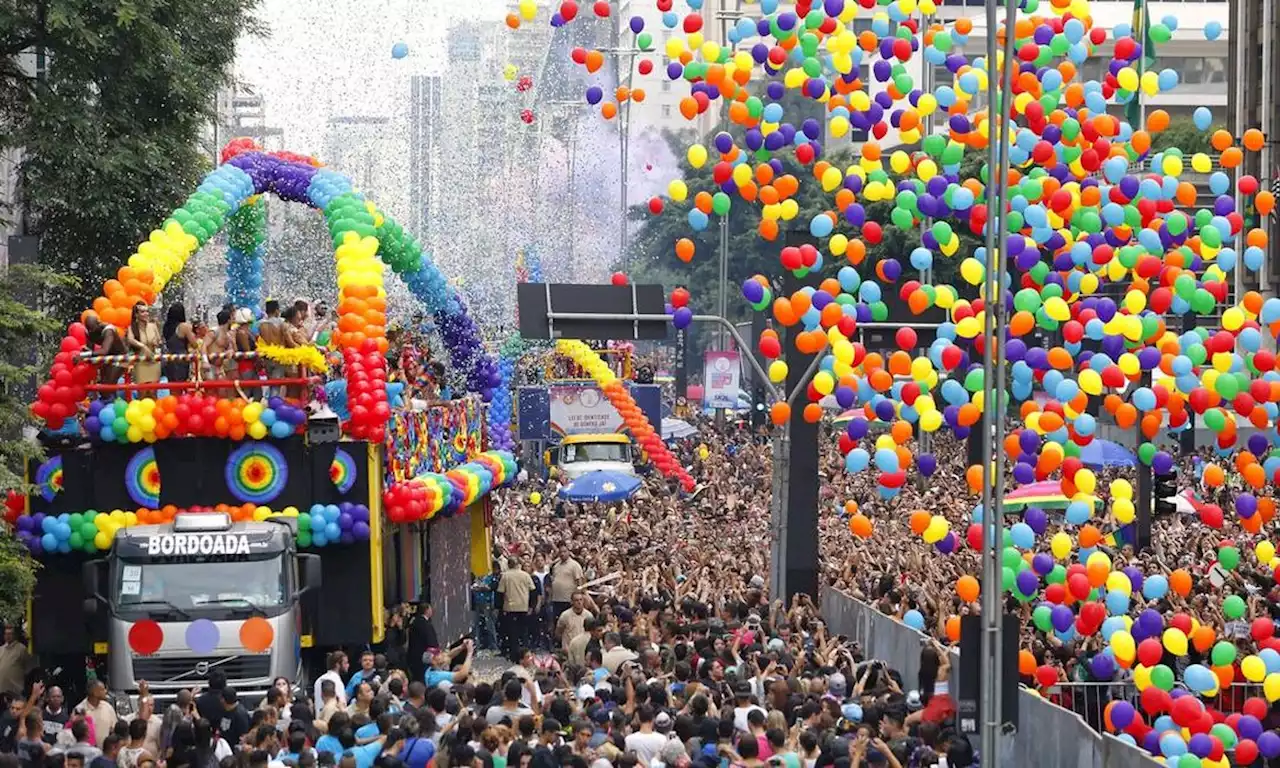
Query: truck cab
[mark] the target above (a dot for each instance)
(200, 579)
(576, 455)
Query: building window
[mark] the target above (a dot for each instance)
(666, 86)
(666, 110)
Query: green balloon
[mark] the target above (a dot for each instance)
(1223, 654)
(720, 203)
(879, 311)
(1057, 576)
(1007, 579)
(1184, 286)
(304, 538)
(1146, 452)
(1224, 734)
(1011, 557)
(76, 541)
(942, 232)
(644, 41)
(1026, 300)
(1233, 607)
(901, 218)
(304, 522)
(1162, 677)
(1215, 420)
(1228, 557)
(973, 380)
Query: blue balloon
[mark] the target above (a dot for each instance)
(1117, 603)
(1022, 536)
(49, 541)
(399, 50)
(914, 619)
(1155, 587)
(281, 430)
(857, 460)
(1203, 118)
(1077, 513)
(1212, 30)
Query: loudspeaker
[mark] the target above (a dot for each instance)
(968, 697)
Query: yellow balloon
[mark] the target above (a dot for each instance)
(937, 530)
(824, 382)
(777, 371)
(1175, 642)
(1060, 545)
(1086, 481)
(1123, 646)
(1121, 489)
(1119, 582)
(1123, 511)
(1141, 677)
(535, 498)
(1264, 551)
(677, 190)
(1253, 668)
(697, 155)
(1271, 686)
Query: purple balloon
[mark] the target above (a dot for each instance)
(1026, 582)
(1023, 474)
(26, 523)
(1200, 745)
(1036, 518)
(927, 463)
(1269, 744)
(857, 428)
(1102, 667)
(345, 521)
(682, 318)
(1135, 578)
(637, 24)
(1042, 563)
(1249, 727)
(360, 531)
(1061, 618)
(360, 513)
(1161, 463)
(948, 543)
(1122, 714)
(1246, 504)
(1257, 443)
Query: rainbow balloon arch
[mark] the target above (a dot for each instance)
(365, 240)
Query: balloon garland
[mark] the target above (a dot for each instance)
(310, 357)
(246, 249)
(49, 477)
(342, 471)
(192, 415)
(431, 493)
(499, 416)
(142, 478)
(641, 430)
(256, 472)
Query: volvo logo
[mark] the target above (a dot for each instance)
(202, 668)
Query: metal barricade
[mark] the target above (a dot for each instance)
(1063, 729)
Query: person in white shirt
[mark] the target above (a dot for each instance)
(742, 706)
(337, 669)
(646, 743)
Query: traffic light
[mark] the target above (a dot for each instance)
(1163, 491)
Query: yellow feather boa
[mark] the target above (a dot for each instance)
(308, 356)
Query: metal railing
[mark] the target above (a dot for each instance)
(1049, 735)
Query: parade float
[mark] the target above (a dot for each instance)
(251, 524)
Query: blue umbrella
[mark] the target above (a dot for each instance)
(1107, 453)
(601, 485)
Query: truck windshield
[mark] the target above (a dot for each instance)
(596, 452)
(191, 586)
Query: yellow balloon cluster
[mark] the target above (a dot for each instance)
(1122, 508)
(164, 253)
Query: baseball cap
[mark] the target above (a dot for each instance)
(913, 701)
(852, 712)
(586, 692)
(837, 685)
(662, 722)
(757, 582)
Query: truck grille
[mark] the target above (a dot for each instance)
(158, 669)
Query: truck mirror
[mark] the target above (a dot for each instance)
(91, 607)
(310, 572)
(89, 578)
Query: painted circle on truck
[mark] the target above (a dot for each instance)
(145, 637)
(256, 634)
(202, 636)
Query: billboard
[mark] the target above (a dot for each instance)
(721, 378)
(550, 412)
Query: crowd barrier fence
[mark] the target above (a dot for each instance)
(1048, 736)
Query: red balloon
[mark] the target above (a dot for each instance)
(1150, 652)
(1186, 711)
(656, 205)
(1078, 584)
(1046, 675)
(1261, 629)
(679, 298)
(1155, 701)
(906, 338)
(974, 537)
(569, 10)
(1246, 752)
(1255, 706)
(618, 279)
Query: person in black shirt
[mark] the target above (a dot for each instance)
(233, 722)
(421, 636)
(209, 703)
(9, 725)
(110, 751)
(55, 714)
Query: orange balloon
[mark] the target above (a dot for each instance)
(1026, 663)
(812, 413)
(973, 476)
(967, 588)
(1253, 140)
(860, 526)
(684, 249)
(953, 628)
(1089, 536)
(919, 521)
(780, 413)
(1180, 582)
(1203, 638)
(1213, 476)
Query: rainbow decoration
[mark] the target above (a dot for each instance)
(432, 493)
(49, 477)
(342, 471)
(256, 472)
(142, 478)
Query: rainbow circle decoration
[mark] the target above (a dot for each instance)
(343, 471)
(142, 478)
(49, 477)
(256, 472)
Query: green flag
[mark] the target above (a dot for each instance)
(1141, 33)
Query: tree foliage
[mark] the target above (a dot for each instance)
(22, 327)
(110, 135)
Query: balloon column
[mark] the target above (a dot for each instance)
(641, 430)
(500, 407)
(246, 249)
(57, 398)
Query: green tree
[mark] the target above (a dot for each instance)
(21, 326)
(109, 133)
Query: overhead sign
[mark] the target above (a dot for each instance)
(535, 300)
(721, 379)
(187, 544)
(582, 410)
